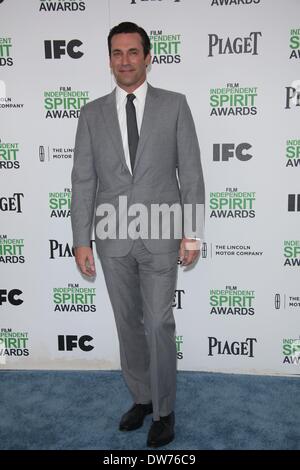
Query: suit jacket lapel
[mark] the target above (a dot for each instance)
(111, 118)
(148, 121)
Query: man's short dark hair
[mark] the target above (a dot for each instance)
(128, 27)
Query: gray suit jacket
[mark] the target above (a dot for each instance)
(167, 169)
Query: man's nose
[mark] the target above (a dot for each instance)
(125, 59)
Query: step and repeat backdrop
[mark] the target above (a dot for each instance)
(237, 61)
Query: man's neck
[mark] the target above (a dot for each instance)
(132, 88)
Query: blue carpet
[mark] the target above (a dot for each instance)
(81, 410)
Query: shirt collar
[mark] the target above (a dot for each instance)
(139, 92)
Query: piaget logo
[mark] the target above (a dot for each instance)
(13, 343)
(165, 48)
(177, 299)
(237, 45)
(291, 252)
(179, 346)
(74, 298)
(232, 204)
(12, 203)
(60, 250)
(60, 203)
(291, 351)
(293, 153)
(233, 100)
(9, 156)
(6, 52)
(235, 348)
(11, 250)
(232, 301)
(292, 95)
(61, 5)
(295, 43)
(64, 103)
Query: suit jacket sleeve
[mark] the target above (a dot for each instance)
(190, 174)
(84, 185)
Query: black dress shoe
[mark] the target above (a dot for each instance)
(162, 431)
(134, 418)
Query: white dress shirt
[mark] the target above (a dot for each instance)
(139, 104)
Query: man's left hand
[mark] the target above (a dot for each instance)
(189, 251)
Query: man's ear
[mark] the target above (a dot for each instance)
(148, 59)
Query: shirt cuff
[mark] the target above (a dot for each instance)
(193, 245)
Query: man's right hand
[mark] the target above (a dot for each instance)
(85, 260)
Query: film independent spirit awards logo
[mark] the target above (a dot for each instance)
(165, 47)
(11, 250)
(233, 100)
(6, 46)
(9, 155)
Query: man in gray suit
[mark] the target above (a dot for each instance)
(139, 143)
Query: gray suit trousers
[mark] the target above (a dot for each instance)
(141, 289)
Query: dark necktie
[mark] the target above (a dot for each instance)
(132, 129)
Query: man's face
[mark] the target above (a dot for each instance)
(127, 60)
